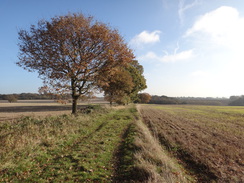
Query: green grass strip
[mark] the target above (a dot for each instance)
(65, 148)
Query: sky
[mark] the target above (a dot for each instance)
(190, 48)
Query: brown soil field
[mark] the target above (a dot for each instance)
(38, 108)
(208, 140)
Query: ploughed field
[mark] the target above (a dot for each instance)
(208, 140)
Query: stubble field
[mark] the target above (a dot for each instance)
(38, 108)
(208, 140)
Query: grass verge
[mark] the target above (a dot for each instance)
(153, 161)
(141, 158)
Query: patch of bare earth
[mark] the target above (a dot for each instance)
(211, 145)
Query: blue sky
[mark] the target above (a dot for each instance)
(187, 47)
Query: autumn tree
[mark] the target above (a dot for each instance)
(71, 52)
(118, 86)
(136, 71)
(144, 97)
(45, 91)
(123, 85)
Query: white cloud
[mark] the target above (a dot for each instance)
(145, 37)
(184, 55)
(218, 41)
(221, 27)
(184, 7)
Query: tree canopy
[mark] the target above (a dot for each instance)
(136, 71)
(144, 97)
(118, 86)
(71, 52)
(124, 84)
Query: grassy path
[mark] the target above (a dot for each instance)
(67, 148)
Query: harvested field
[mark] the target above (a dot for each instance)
(209, 140)
(38, 108)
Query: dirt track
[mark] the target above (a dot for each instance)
(205, 138)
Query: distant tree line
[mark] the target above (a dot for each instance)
(163, 100)
(236, 101)
(204, 101)
(25, 96)
(140, 98)
(192, 100)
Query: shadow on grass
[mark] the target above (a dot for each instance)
(125, 169)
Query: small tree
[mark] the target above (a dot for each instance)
(11, 98)
(136, 72)
(144, 97)
(123, 85)
(118, 86)
(71, 52)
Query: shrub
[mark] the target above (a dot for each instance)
(11, 98)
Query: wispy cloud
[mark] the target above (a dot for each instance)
(145, 37)
(175, 57)
(184, 7)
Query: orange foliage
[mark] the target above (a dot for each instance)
(72, 52)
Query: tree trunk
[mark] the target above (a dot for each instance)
(74, 105)
(74, 97)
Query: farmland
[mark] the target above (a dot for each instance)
(208, 140)
(42, 142)
(38, 108)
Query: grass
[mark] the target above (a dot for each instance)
(208, 140)
(155, 161)
(66, 148)
(141, 158)
(121, 145)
